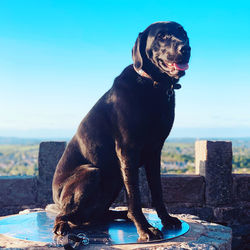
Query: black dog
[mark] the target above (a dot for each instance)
(123, 131)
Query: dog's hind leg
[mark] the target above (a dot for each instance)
(86, 197)
(78, 199)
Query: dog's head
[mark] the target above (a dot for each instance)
(162, 50)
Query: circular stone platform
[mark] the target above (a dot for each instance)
(36, 225)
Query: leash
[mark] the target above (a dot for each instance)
(73, 241)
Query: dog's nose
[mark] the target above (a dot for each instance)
(184, 49)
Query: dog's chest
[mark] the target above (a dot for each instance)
(162, 117)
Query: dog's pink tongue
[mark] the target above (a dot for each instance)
(181, 67)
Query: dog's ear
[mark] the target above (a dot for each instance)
(136, 53)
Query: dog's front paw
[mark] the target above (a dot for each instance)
(156, 232)
(150, 234)
(61, 228)
(171, 223)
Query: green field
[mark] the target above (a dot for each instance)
(177, 157)
(19, 159)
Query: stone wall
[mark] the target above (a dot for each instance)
(49, 155)
(214, 193)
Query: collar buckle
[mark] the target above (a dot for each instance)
(170, 92)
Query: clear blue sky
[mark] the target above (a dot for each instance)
(57, 58)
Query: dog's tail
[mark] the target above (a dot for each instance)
(52, 208)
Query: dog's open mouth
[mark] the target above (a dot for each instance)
(173, 68)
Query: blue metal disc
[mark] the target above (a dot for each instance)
(37, 226)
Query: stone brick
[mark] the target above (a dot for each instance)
(17, 191)
(241, 230)
(49, 155)
(237, 243)
(181, 208)
(183, 188)
(241, 187)
(205, 213)
(214, 162)
(244, 215)
(226, 214)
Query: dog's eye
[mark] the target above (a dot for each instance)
(162, 36)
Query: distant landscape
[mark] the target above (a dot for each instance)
(20, 156)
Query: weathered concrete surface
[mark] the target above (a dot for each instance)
(49, 155)
(202, 235)
(213, 160)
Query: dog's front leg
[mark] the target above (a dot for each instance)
(153, 172)
(129, 170)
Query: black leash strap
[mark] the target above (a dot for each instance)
(76, 241)
(73, 241)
